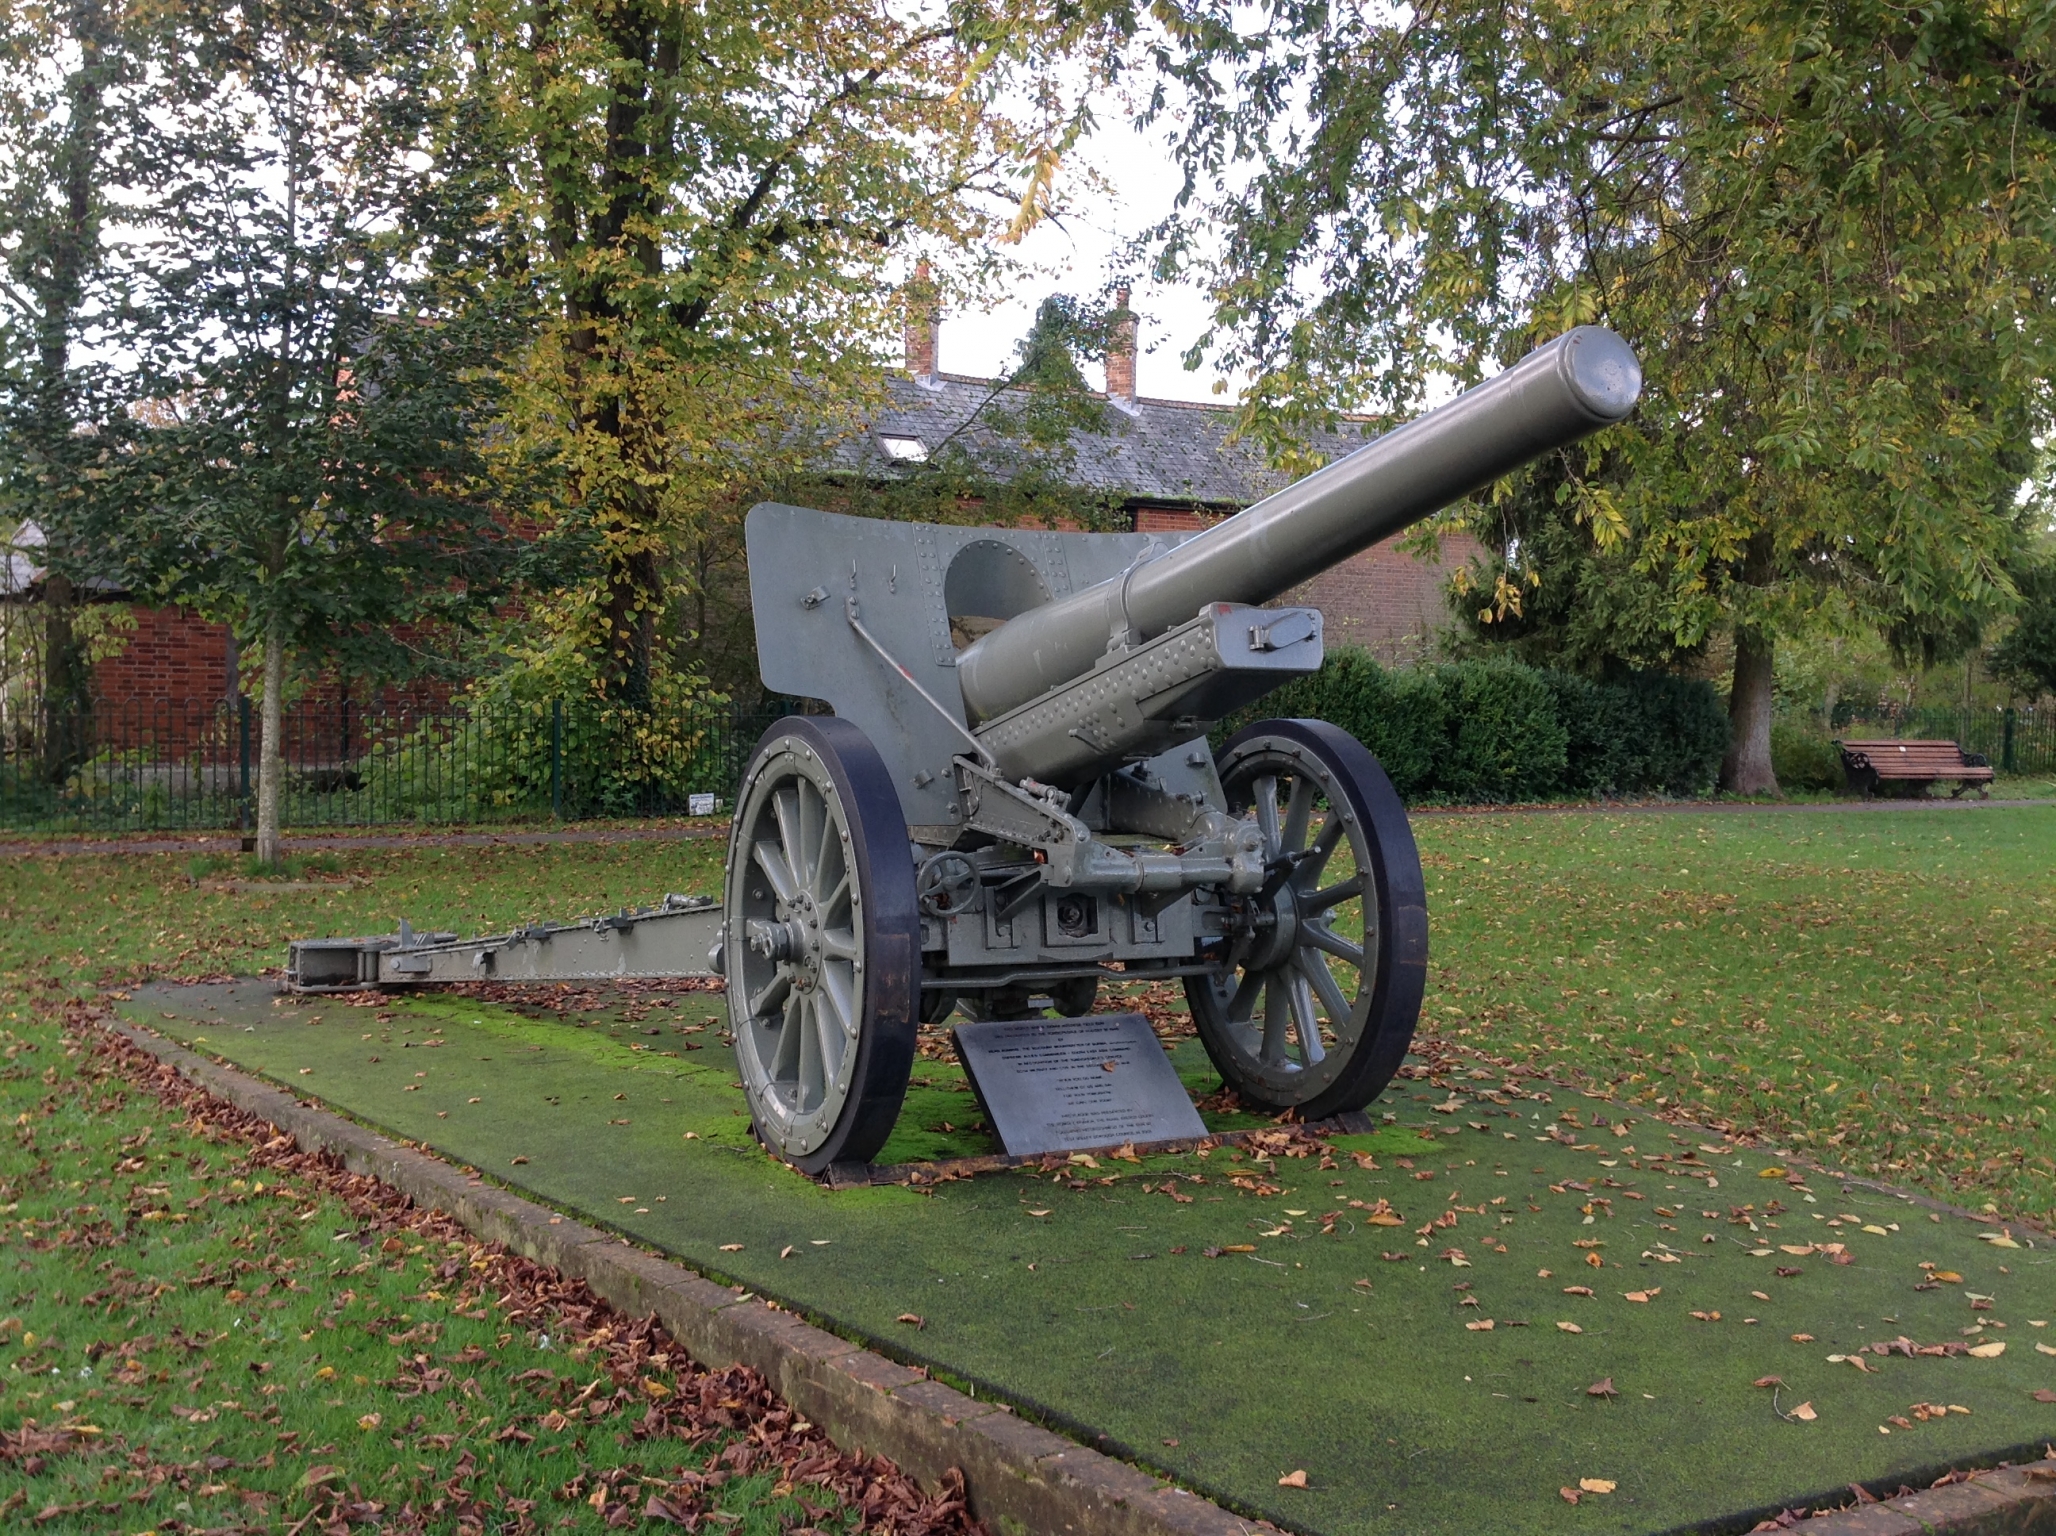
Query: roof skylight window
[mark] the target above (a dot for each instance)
(904, 450)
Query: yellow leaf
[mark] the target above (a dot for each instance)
(1804, 1412)
(1991, 1351)
(1772, 1172)
(1294, 1479)
(1947, 1277)
(1595, 1261)
(1877, 1231)
(1570, 1327)
(1483, 1325)
(2045, 1349)
(1597, 1484)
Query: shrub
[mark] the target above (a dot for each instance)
(1505, 739)
(1683, 728)
(1497, 730)
(1803, 758)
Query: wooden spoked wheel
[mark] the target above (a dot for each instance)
(821, 944)
(1320, 984)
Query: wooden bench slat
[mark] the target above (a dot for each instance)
(1870, 763)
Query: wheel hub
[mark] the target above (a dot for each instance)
(1274, 928)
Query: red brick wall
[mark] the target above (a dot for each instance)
(172, 673)
(1383, 600)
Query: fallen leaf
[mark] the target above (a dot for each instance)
(655, 1388)
(2045, 1349)
(1787, 1271)
(1038, 1213)
(1706, 1317)
(1483, 1325)
(519, 1161)
(787, 1251)
(1654, 1290)
(315, 1476)
(1247, 1248)
(1946, 1276)
(1802, 1338)
(1759, 1253)
(1570, 1327)
(1772, 1172)
(1596, 1485)
(1768, 1381)
(1577, 1290)
(1991, 1351)
(1570, 1495)
(2043, 1395)
(1801, 1249)
(1293, 1479)
(1595, 1261)
(1804, 1413)
(913, 1318)
(731, 1247)
(1603, 1387)
(370, 1421)
(1876, 1231)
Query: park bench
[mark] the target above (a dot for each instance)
(1911, 766)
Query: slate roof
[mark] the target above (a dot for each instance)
(1160, 451)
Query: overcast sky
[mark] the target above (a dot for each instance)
(1077, 257)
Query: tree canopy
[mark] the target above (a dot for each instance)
(1827, 229)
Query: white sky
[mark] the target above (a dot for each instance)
(1076, 257)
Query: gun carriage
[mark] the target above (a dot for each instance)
(1014, 797)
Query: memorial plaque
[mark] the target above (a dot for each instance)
(1062, 1085)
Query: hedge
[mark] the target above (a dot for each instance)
(1497, 731)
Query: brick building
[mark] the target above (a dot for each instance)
(1160, 465)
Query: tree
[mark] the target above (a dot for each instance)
(1826, 228)
(294, 457)
(60, 63)
(708, 203)
(2026, 655)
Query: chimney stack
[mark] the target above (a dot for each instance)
(1121, 354)
(924, 322)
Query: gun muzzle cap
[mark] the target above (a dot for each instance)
(1602, 371)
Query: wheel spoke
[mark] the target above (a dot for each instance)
(1299, 808)
(1320, 936)
(1277, 1021)
(772, 995)
(771, 859)
(1242, 1006)
(838, 994)
(819, 830)
(1315, 970)
(785, 808)
(785, 1055)
(830, 1043)
(838, 944)
(1308, 874)
(807, 1076)
(1265, 790)
(1307, 1024)
(1320, 901)
(831, 904)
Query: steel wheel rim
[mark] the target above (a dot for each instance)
(1291, 1015)
(799, 1009)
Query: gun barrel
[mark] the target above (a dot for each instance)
(1586, 379)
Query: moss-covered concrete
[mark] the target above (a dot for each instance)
(1343, 1348)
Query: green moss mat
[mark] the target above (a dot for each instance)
(1098, 1308)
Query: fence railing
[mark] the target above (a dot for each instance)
(168, 766)
(2014, 740)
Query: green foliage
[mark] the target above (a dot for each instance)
(1804, 758)
(1825, 228)
(1495, 731)
(2026, 655)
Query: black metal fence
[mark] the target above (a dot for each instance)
(167, 766)
(2012, 740)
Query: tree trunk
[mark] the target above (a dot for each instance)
(270, 768)
(1746, 770)
(67, 692)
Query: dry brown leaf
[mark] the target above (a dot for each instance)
(1596, 1485)
(1991, 1351)
(1293, 1479)
(787, 1251)
(1570, 1327)
(1595, 1261)
(1804, 1413)
(914, 1318)
(1570, 1495)
(1603, 1387)
(1802, 1338)
(1482, 1325)
(1768, 1381)
(1577, 1290)
(731, 1247)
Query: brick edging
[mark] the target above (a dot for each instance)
(2006, 1500)
(1018, 1477)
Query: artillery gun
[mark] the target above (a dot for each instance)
(1014, 797)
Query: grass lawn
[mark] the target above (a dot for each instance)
(241, 1338)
